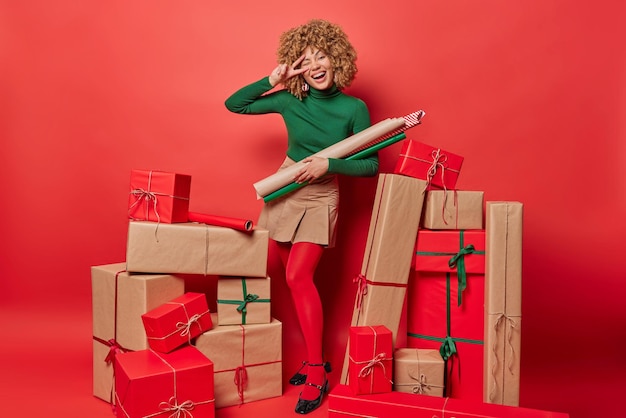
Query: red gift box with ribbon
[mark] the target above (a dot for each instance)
(342, 403)
(438, 167)
(151, 384)
(371, 359)
(159, 196)
(176, 322)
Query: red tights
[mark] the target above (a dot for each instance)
(300, 261)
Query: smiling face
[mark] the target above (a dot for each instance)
(320, 75)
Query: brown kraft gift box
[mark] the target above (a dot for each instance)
(243, 300)
(247, 361)
(417, 370)
(503, 302)
(194, 248)
(381, 286)
(453, 209)
(133, 295)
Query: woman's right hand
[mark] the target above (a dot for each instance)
(284, 72)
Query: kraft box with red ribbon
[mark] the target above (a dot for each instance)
(438, 167)
(445, 306)
(159, 196)
(453, 209)
(342, 403)
(247, 360)
(243, 300)
(177, 321)
(381, 285)
(371, 359)
(176, 384)
(118, 301)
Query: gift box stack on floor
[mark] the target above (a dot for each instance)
(452, 263)
(156, 347)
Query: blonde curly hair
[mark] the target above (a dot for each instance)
(323, 35)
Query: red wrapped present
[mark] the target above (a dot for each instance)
(342, 403)
(435, 321)
(438, 167)
(371, 359)
(446, 251)
(176, 322)
(159, 196)
(151, 384)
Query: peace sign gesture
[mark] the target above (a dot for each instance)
(284, 72)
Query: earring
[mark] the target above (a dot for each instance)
(305, 87)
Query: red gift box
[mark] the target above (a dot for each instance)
(159, 196)
(438, 167)
(176, 322)
(371, 359)
(343, 403)
(457, 251)
(436, 321)
(151, 384)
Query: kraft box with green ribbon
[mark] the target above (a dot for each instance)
(445, 300)
(243, 300)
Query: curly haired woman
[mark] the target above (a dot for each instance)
(316, 61)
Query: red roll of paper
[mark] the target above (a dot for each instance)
(226, 221)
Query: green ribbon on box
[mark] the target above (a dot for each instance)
(447, 349)
(242, 305)
(458, 261)
(356, 156)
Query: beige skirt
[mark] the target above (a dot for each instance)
(308, 214)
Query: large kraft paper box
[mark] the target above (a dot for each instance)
(418, 371)
(371, 359)
(445, 306)
(243, 300)
(247, 360)
(381, 286)
(176, 384)
(194, 248)
(439, 167)
(503, 302)
(453, 209)
(159, 196)
(176, 322)
(342, 403)
(118, 301)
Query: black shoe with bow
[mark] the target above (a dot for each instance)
(305, 406)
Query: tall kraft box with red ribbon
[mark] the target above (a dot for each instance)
(118, 301)
(445, 306)
(503, 302)
(159, 196)
(381, 285)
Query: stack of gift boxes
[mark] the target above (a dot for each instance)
(156, 347)
(451, 263)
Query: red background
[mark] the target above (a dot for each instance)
(532, 94)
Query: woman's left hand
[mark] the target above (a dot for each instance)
(314, 168)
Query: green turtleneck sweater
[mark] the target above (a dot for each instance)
(321, 119)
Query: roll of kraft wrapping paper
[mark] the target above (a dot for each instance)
(228, 222)
(364, 150)
(361, 154)
(338, 150)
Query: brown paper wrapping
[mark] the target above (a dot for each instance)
(258, 347)
(194, 248)
(136, 295)
(418, 371)
(503, 302)
(231, 289)
(339, 150)
(453, 209)
(388, 253)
